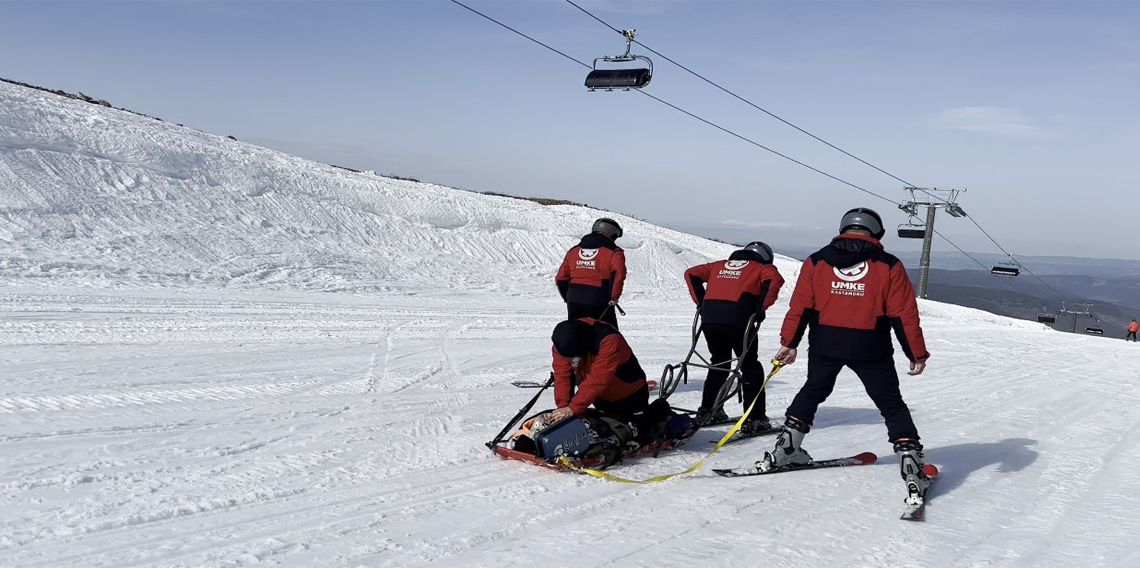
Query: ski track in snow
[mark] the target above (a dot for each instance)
(320, 470)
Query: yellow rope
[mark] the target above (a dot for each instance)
(776, 366)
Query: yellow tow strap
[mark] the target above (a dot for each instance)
(776, 366)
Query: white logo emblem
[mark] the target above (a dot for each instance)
(735, 264)
(852, 273)
(587, 254)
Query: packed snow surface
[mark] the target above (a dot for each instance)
(214, 354)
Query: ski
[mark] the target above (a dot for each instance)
(865, 458)
(916, 501)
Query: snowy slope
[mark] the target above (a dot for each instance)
(97, 196)
(174, 390)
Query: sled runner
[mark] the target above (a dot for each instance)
(673, 375)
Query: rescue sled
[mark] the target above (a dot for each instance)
(594, 440)
(590, 463)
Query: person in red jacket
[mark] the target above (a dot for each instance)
(592, 274)
(728, 292)
(593, 356)
(1132, 329)
(851, 294)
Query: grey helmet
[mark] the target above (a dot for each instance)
(760, 249)
(607, 227)
(863, 218)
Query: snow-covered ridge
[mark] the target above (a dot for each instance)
(98, 196)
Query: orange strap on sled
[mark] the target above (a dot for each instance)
(776, 366)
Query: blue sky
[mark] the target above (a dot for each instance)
(1030, 106)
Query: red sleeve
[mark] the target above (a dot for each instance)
(562, 377)
(695, 277)
(771, 274)
(603, 370)
(617, 266)
(903, 308)
(564, 268)
(803, 299)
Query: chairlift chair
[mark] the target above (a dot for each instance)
(910, 231)
(1046, 318)
(620, 78)
(1094, 330)
(1010, 268)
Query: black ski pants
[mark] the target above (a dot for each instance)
(603, 312)
(1131, 335)
(724, 340)
(879, 379)
(624, 409)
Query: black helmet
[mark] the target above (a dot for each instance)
(863, 218)
(572, 338)
(761, 251)
(608, 227)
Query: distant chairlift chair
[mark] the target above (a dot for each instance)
(1046, 318)
(1011, 268)
(620, 78)
(912, 231)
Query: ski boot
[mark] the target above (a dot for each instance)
(705, 417)
(910, 466)
(787, 451)
(755, 427)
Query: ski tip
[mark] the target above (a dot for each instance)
(930, 470)
(866, 457)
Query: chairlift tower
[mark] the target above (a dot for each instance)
(1080, 310)
(939, 198)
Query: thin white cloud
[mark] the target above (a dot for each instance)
(764, 224)
(992, 120)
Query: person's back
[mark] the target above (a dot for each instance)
(856, 293)
(728, 294)
(609, 376)
(851, 293)
(592, 274)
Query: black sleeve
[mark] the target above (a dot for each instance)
(563, 286)
(698, 289)
(760, 313)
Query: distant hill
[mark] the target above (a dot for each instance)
(1112, 285)
(1114, 301)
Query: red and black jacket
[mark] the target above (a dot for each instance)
(608, 371)
(730, 291)
(852, 293)
(593, 272)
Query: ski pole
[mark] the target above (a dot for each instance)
(607, 310)
(491, 445)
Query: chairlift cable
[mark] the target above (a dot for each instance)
(679, 109)
(757, 144)
(750, 103)
(1011, 257)
(979, 263)
(519, 33)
